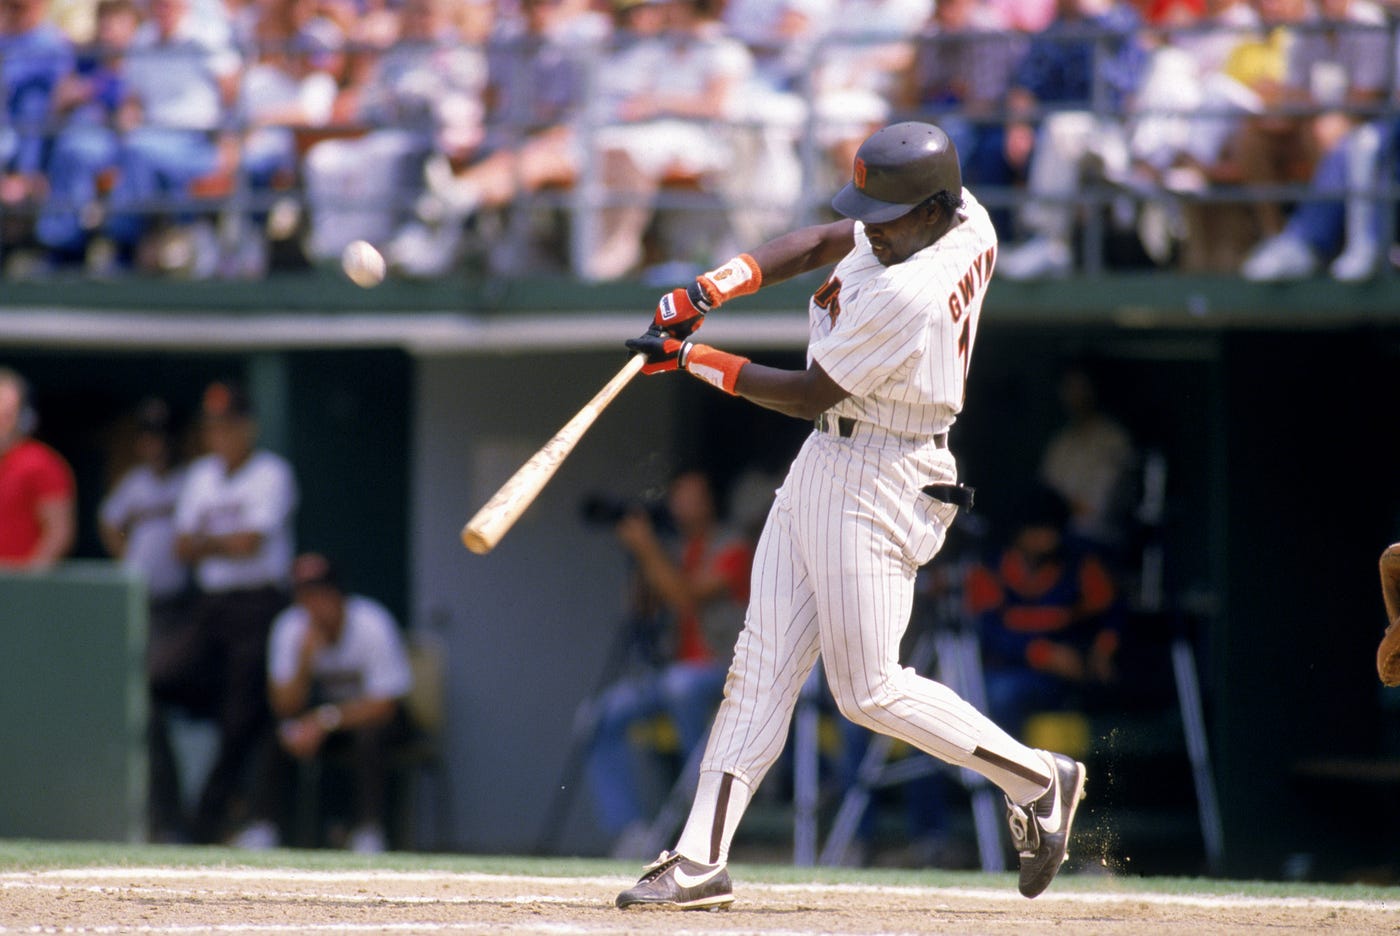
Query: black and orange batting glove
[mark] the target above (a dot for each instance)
(662, 351)
(715, 367)
(681, 311)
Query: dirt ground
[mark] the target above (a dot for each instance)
(253, 901)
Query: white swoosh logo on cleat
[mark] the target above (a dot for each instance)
(1050, 823)
(685, 880)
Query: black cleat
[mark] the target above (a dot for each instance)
(1040, 829)
(674, 882)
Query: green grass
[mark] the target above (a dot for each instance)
(31, 855)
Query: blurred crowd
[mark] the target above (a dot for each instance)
(607, 138)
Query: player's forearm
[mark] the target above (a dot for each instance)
(666, 580)
(289, 699)
(1390, 581)
(57, 532)
(800, 394)
(804, 250)
(113, 539)
(192, 547)
(360, 713)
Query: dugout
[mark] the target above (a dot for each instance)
(402, 408)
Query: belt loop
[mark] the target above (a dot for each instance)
(845, 426)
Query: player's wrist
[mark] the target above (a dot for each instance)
(718, 368)
(737, 277)
(329, 717)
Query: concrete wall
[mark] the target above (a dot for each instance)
(528, 627)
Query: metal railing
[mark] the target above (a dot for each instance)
(801, 141)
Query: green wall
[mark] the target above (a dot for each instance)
(73, 704)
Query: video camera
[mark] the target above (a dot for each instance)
(607, 510)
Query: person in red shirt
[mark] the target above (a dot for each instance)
(37, 493)
(1048, 617)
(702, 585)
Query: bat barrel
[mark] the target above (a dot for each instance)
(485, 529)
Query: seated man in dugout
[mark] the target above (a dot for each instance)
(337, 672)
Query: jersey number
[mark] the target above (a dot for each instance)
(828, 297)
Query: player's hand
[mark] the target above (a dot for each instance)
(681, 311)
(301, 737)
(664, 353)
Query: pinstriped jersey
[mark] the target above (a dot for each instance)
(899, 338)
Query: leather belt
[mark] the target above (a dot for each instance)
(845, 427)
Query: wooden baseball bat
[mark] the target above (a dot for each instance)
(485, 529)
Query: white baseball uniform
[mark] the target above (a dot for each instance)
(369, 660)
(834, 569)
(260, 496)
(143, 504)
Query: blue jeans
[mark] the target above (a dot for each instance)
(688, 692)
(1322, 224)
(155, 162)
(79, 155)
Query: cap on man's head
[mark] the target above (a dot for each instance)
(226, 400)
(310, 570)
(153, 415)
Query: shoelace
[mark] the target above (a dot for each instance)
(1025, 835)
(660, 866)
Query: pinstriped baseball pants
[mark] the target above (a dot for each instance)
(834, 575)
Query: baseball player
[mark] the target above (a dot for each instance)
(233, 524)
(1388, 653)
(866, 502)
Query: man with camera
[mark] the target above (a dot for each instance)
(700, 584)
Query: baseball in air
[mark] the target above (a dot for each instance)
(363, 264)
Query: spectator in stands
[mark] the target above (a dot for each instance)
(291, 85)
(136, 522)
(34, 57)
(959, 80)
(37, 492)
(182, 79)
(337, 672)
(1056, 84)
(1089, 462)
(88, 102)
(1183, 115)
(702, 583)
(1048, 615)
(661, 94)
(1341, 64)
(234, 526)
(424, 94)
(855, 76)
(538, 65)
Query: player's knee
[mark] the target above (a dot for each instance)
(867, 709)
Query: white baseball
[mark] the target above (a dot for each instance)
(363, 264)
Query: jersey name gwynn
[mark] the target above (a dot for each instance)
(899, 339)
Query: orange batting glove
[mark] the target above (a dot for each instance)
(715, 367)
(681, 311)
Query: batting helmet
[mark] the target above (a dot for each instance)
(897, 168)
